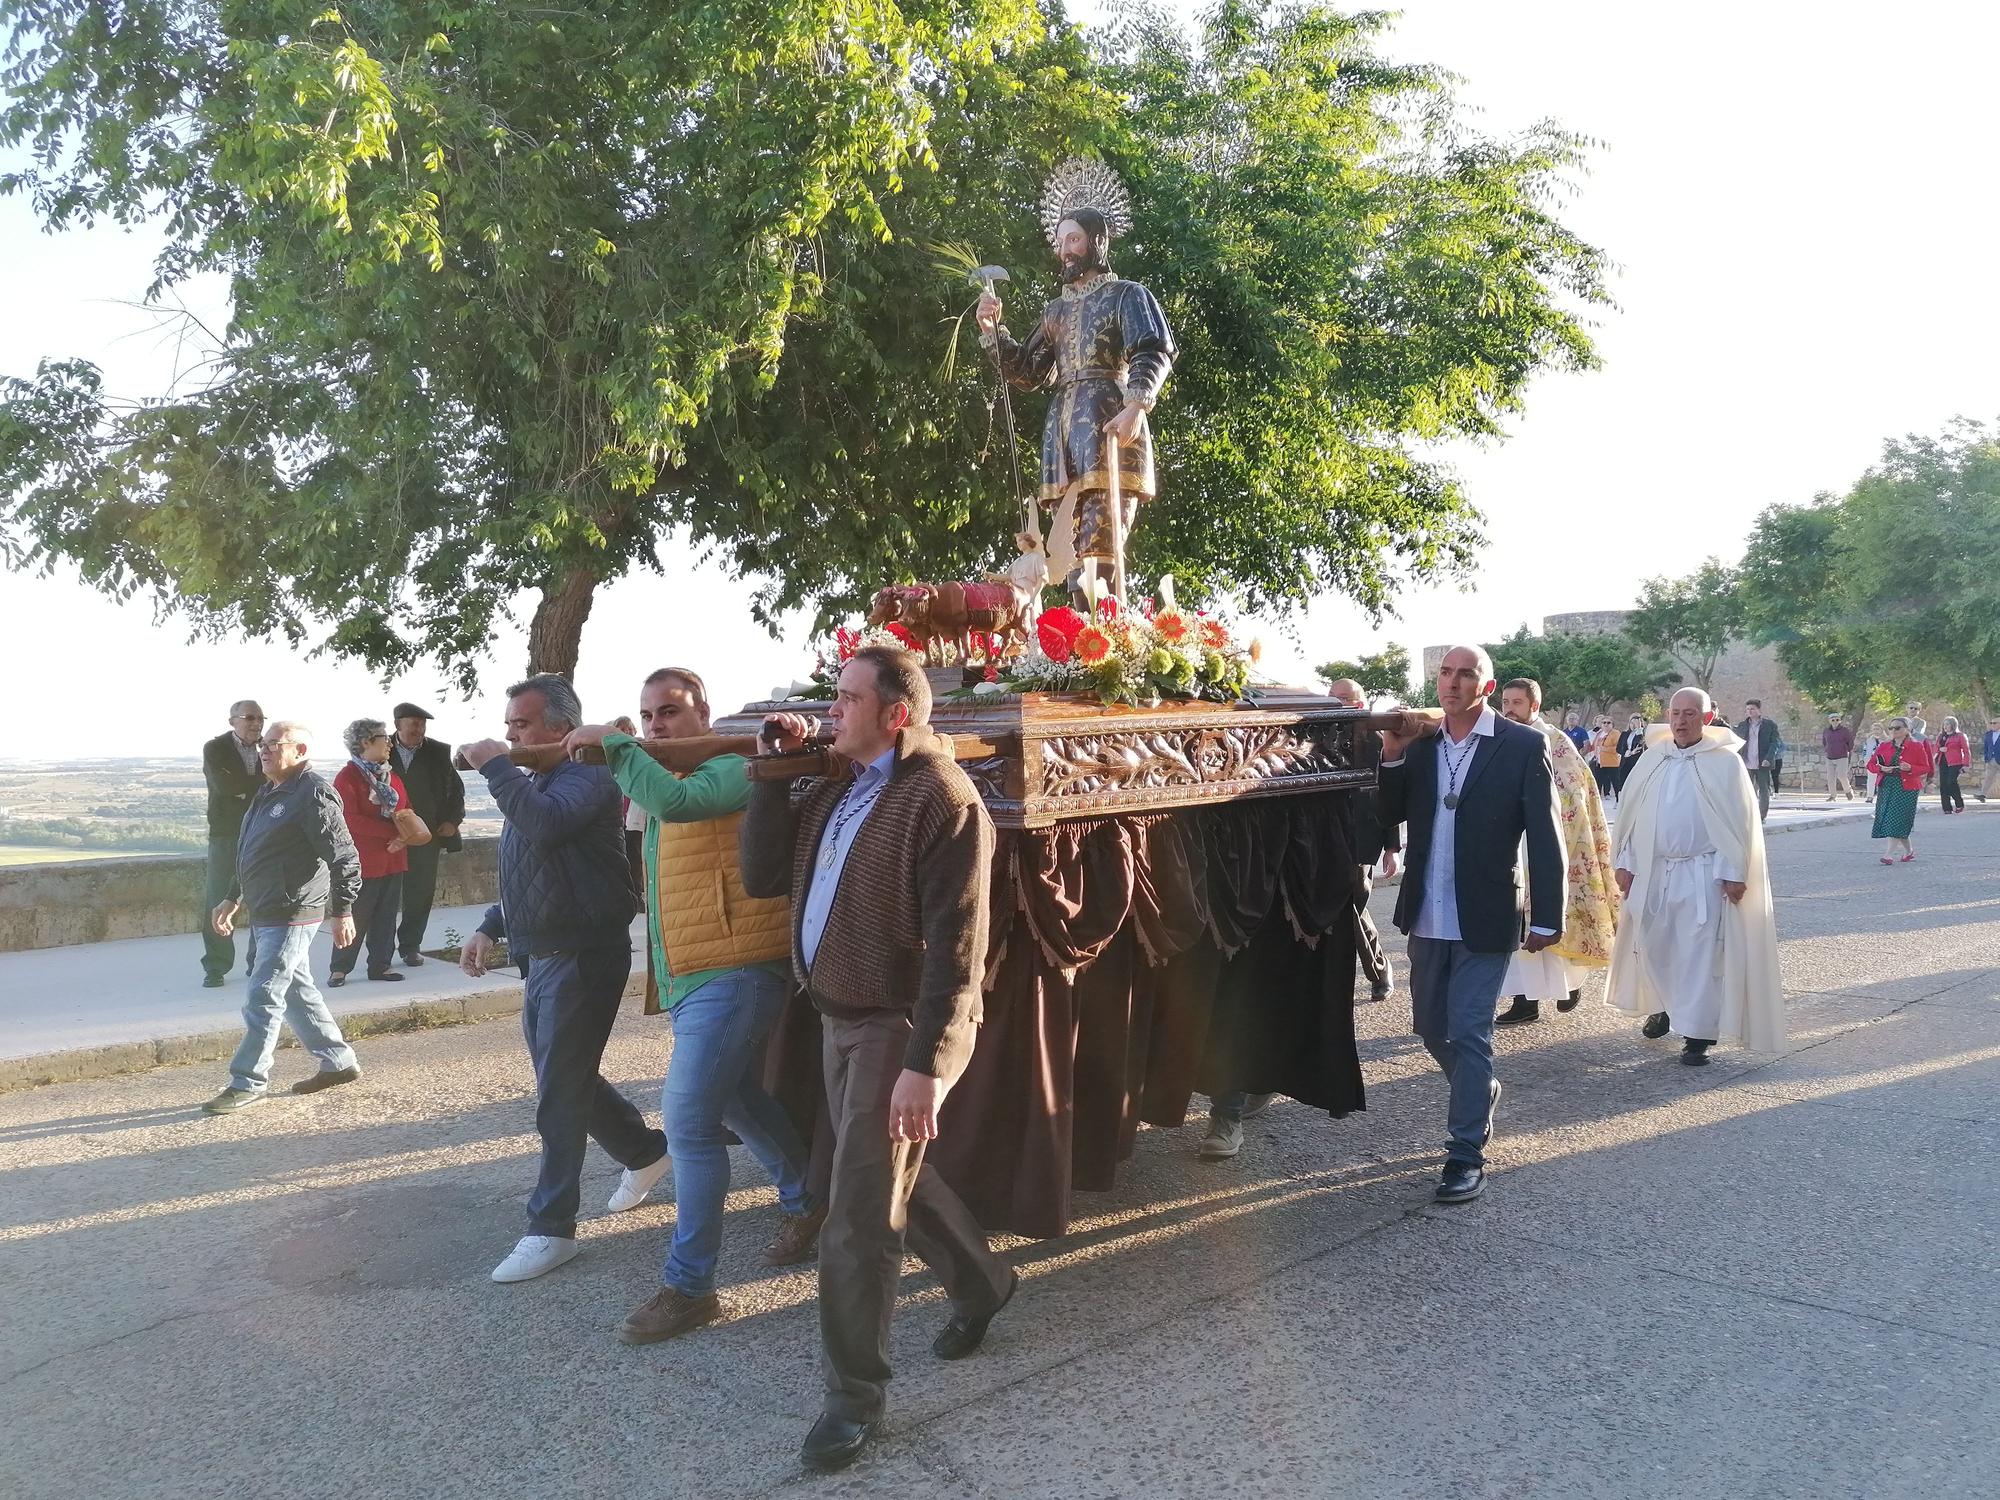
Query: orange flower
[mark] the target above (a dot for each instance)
(1212, 634)
(1171, 626)
(1092, 645)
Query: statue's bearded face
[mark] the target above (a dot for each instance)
(1085, 248)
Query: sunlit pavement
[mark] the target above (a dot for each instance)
(1770, 1277)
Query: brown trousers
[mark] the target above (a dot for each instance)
(882, 1191)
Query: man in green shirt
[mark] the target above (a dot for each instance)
(721, 961)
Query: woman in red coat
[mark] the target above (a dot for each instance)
(1954, 754)
(370, 792)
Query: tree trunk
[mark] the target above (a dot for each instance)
(556, 634)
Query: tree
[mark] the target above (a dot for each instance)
(1920, 562)
(521, 295)
(1382, 672)
(1792, 585)
(1585, 672)
(1692, 619)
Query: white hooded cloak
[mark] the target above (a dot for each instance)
(1688, 821)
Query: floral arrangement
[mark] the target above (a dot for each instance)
(1135, 657)
(1138, 657)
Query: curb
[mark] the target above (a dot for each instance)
(86, 1063)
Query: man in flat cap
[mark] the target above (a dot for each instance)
(437, 795)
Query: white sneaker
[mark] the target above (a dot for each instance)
(536, 1255)
(633, 1186)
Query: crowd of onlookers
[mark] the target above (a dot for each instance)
(1852, 762)
(399, 804)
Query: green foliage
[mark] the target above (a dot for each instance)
(1585, 672)
(1792, 590)
(1920, 563)
(1382, 672)
(143, 836)
(521, 294)
(1692, 619)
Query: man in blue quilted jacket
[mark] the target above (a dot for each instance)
(566, 905)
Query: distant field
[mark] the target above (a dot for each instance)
(30, 854)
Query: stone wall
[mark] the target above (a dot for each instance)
(101, 900)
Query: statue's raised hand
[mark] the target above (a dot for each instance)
(988, 313)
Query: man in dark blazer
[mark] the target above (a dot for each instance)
(437, 795)
(230, 769)
(1473, 796)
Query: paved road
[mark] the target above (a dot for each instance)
(1766, 1278)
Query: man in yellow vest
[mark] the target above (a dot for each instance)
(721, 961)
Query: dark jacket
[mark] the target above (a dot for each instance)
(1371, 835)
(1631, 745)
(1507, 794)
(295, 861)
(230, 787)
(1836, 742)
(565, 881)
(437, 790)
(907, 930)
(1766, 748)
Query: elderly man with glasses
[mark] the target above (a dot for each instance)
(295, 866)
(232, 773)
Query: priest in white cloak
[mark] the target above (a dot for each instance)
(1590, 917)
(1697, 948)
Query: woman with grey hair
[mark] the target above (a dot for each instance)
(370, 793)
(1903, 762)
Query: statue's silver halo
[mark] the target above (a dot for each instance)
(1085, 182)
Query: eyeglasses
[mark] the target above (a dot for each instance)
(272, 747)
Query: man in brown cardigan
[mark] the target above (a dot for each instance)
(887, 872)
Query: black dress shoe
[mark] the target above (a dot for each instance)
(413, 960)
(962, 1335)
(1570, 1001)
(1655, 1027)
(1462, 1182)
(1522, 1011)
(211, 981)
(388, 974)
(1694, 1052)
(834, 1443)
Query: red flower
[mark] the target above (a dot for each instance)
(1056, 630)
(1107, 608)
(902, 633)
(1171, 625)
(846, 642)
(992, 672)
(1212, 634)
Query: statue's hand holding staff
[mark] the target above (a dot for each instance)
(1125, 426)
(987, 315)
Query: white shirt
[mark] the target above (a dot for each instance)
(1438, 916)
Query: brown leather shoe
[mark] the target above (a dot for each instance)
(667, 1314)
(797, 1241)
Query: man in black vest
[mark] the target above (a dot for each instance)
(229, 766)
(1472, 795)
(437, 795)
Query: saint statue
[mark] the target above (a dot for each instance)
(1104, 349)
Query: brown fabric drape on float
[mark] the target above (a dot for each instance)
(1135, 960)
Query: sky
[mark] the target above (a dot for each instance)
(1798, 203)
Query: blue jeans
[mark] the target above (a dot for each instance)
(714, 1083)
(1452, 994)
(570, 1003)
(281, 984)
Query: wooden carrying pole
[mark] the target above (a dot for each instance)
(684, 756)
